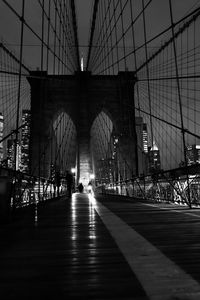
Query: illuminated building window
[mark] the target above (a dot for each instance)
(25, 139)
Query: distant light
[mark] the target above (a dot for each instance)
(82, 67)
(116, 140)
(73, 170)
(92, 176)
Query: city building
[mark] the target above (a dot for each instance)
(142, 145)
(1, 136)
(154, 158)
(18, 157)
(105, 170)
(145, 138)
(25, 139)
(193, 154)
(11, 155)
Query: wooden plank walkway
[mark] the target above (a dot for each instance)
(106, 247)
(175, 232)
(65, 252)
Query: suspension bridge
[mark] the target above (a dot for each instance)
(120, 111)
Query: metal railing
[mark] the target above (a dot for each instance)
(173, 186)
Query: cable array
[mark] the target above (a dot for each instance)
(50, 40)
(45, 36)
(9, 82)
(157, 98)
(166, 110)
(123, 37)
(108, 158)
(165, 60)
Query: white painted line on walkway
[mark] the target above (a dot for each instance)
(161, 278)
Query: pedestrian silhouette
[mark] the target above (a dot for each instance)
(80, 187)
(90, 189)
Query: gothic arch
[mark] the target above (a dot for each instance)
(65, 134)
(83, 97)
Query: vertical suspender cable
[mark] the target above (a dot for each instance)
(18, 98)
(106, 49)
(59, 41)
(55, 25)
(116, 44)
(42, 38)
(147, 70)
(48, 35)
(40, 110)
(179, 97)
(111, 38)
(135, 58)
(92, 33)
(123, 37)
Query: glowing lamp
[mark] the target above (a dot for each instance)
(73, 170)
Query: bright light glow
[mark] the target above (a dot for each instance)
(36, 215)
(116, 140)
(74, 217)
(73, 170)
(93, 201)
(92, 219)
(92, 176)
(82, 67)
(90, 189)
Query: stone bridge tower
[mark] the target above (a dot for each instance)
(82, 96)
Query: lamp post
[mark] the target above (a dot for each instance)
(92, 176)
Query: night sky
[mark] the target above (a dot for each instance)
(157, 19)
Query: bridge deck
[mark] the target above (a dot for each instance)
(103, 248)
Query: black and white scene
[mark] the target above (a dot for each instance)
(100, 149)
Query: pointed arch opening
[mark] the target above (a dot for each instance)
(103, 149)
(64, 143)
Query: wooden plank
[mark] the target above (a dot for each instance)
(67, 253)
(171, 228)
